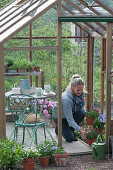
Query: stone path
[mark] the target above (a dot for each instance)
(74, 148)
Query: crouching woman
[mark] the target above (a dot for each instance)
(73, 111)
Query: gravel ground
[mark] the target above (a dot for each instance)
(84, 162)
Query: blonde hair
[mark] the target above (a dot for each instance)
(75, 81)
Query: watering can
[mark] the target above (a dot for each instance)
(98, 148)
(24, 84)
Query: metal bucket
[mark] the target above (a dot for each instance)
(98, 149)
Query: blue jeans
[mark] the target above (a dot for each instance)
(67, 131)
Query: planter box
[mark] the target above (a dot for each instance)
(22, 70)
(12, 71)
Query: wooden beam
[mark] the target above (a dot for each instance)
(85, 13)
(108, 79)
(75, 6)
(77, 24)
(29, 48)
(104, 6)
(103, 64)
(83, 27)
(63, 37)
(90, 7)
(2, 95)
(30, 17)
(30, 51)
(90, 45)
(59, 73)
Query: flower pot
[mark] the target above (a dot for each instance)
(37, 68)
(22, 70)
(89, 120)
(61, 159)
(100, 131)
(29, 163)
(44, 161)
(89, 141)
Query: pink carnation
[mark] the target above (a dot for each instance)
(41, 101)
(46, 102)
(45, 106)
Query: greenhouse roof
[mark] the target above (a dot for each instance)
(20, 13)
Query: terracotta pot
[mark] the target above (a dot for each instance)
(29, 163)
(89, 141)
(100, 131)
(22, 70)
(37, 68)
(89, 120)
(61, 159)
(44, 161)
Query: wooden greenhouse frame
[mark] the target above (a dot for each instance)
(20, 13)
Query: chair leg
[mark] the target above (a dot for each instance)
(23, 135)
(32, 138)
(13, 133)
(49, 133)
(29, 133)
(44, 132)
(16, 133)
(35, 133)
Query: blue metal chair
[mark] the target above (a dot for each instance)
(26, 113)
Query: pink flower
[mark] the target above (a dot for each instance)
(50, 105)
(46, 102)
(41, 101)
(45, 111)
(45, 106)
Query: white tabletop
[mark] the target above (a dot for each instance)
(43, 96)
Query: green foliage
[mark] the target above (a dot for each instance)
(60, 150)
(46, 148)
(92, 113)
(4, 2)
(10, 154)
(91, 133)
(23, 63)
(99, 122)
(29, 153)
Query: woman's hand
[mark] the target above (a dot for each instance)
(83, 134)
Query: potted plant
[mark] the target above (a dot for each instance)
(36, 65)
(10, 154)
(91, 115)
(61, 156)
(91, 134)
(99, 122)
(23, 65)
(29, 156)
(9, 60)
(12, 69)
(46, 152)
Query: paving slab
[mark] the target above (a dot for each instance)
(73, 148)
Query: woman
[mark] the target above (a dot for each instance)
(73, 111)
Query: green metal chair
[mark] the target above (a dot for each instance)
(26, 113)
